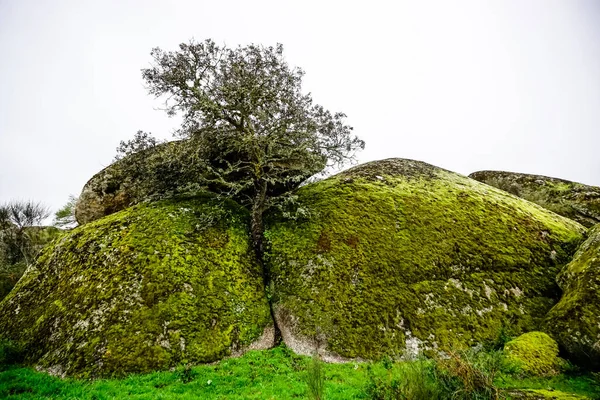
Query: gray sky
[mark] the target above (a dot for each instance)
(465, 85)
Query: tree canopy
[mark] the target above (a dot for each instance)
(256, 134)
(65, 216)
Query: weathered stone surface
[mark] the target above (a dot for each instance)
(159, 172)
(575, 321)
(573, 200)
(148, 288)
(400, 256)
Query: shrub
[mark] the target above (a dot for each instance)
(186, 374)
(465, 375)
(10, 353)
(470, 374)
(417, 381)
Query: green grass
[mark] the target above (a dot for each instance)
(271, 374)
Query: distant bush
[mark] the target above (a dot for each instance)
(21, 239)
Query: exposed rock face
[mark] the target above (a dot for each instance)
(575, 320)
(573, 200)
(400, 256)
(144, 289)
(162, 171)
(535, 353)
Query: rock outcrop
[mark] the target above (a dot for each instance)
(573, 200)
(575, 320)
(400, 256)
(148, 288)
(159, 172)
(390, 258)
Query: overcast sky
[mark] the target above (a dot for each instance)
(465, 85)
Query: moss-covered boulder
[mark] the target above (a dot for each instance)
(575, 321)
(573, 200)
(535, 354)
(144, 289)
(400, 256)
(162, 171)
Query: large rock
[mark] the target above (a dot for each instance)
(575, 320)
(147, 288)
(169, 169)
(162, 171)
(573, 200)
(399, 256)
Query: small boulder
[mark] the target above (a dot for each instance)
(535, 354)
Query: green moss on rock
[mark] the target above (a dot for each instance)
(401, 256)
(535, 354)
(575, 321)
(573, 200)
(147, 288)
(543, 394)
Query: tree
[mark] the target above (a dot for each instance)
(21, 239)
(65, 217)
(15, 219)
(141, 141)
(257, 135)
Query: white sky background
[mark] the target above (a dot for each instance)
(464, 85)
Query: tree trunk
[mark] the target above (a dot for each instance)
(257, 229)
